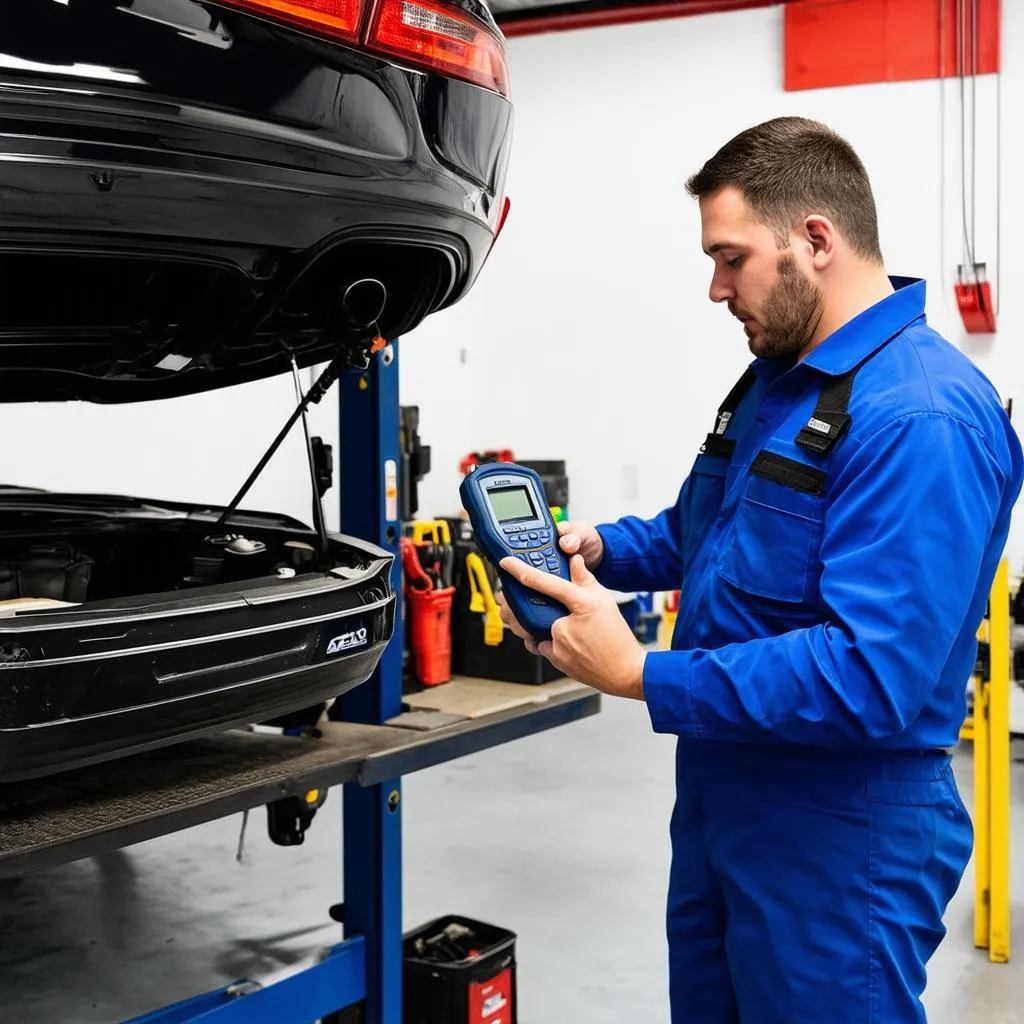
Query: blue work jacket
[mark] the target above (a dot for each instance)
(846, 617)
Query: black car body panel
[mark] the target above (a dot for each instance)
(115, 675)
(186, 188)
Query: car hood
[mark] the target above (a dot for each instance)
(139, 379)
(32, 501)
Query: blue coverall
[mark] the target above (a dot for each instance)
(817, 677)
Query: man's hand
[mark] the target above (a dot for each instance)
(592, 644)
(581, 539)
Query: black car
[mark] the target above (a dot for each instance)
(196, 194)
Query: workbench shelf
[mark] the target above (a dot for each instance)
(379, 738)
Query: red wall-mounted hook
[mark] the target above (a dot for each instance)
(974, 300)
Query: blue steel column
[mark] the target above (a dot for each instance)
(369, 470)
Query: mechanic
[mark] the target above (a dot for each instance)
(835, 543)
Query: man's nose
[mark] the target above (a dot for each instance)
(719, 290)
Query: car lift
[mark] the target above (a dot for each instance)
(95, 810)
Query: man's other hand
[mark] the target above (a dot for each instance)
(582, 539)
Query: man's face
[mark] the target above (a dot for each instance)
(764, 286)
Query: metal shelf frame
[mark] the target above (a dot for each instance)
(365, 970)
(105, 807)
(367, 967)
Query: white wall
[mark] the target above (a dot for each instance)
(199, 448)
(597, 290)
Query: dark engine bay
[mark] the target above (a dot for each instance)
(126, 560)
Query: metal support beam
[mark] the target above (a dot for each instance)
(369, 446)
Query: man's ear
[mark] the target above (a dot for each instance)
(819, 233)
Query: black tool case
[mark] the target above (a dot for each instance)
(509, 661)
(442, 985)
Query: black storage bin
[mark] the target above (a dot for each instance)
(443, 984)
(552, 476)
(508, 662)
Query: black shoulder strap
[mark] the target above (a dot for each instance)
(830, 419)
(716, 443)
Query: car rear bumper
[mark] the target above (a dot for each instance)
(189, 202)
(71, 743)
(108, 164)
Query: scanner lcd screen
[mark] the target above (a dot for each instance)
(510, 503)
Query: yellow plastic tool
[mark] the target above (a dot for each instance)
(665, 630)
(482, 600)
(436, 529)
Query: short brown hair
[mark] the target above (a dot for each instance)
(791, 167)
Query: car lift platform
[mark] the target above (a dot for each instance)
(381, 736)
(98, 809)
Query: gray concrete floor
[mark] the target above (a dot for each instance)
(561, 837)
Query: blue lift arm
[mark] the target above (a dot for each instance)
(372, 816)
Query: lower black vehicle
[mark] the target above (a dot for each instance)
(126, 624)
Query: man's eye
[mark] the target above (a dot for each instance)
(734, 262)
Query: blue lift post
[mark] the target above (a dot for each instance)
(372, 815)
(368, 964)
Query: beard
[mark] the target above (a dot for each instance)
(789, 316)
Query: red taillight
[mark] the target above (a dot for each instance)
(506, 206)
(338, 18)
(429, 34)
(434, 35)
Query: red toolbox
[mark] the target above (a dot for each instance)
(429, 615)
(459, 971)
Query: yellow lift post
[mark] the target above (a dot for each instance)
(989, 728)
